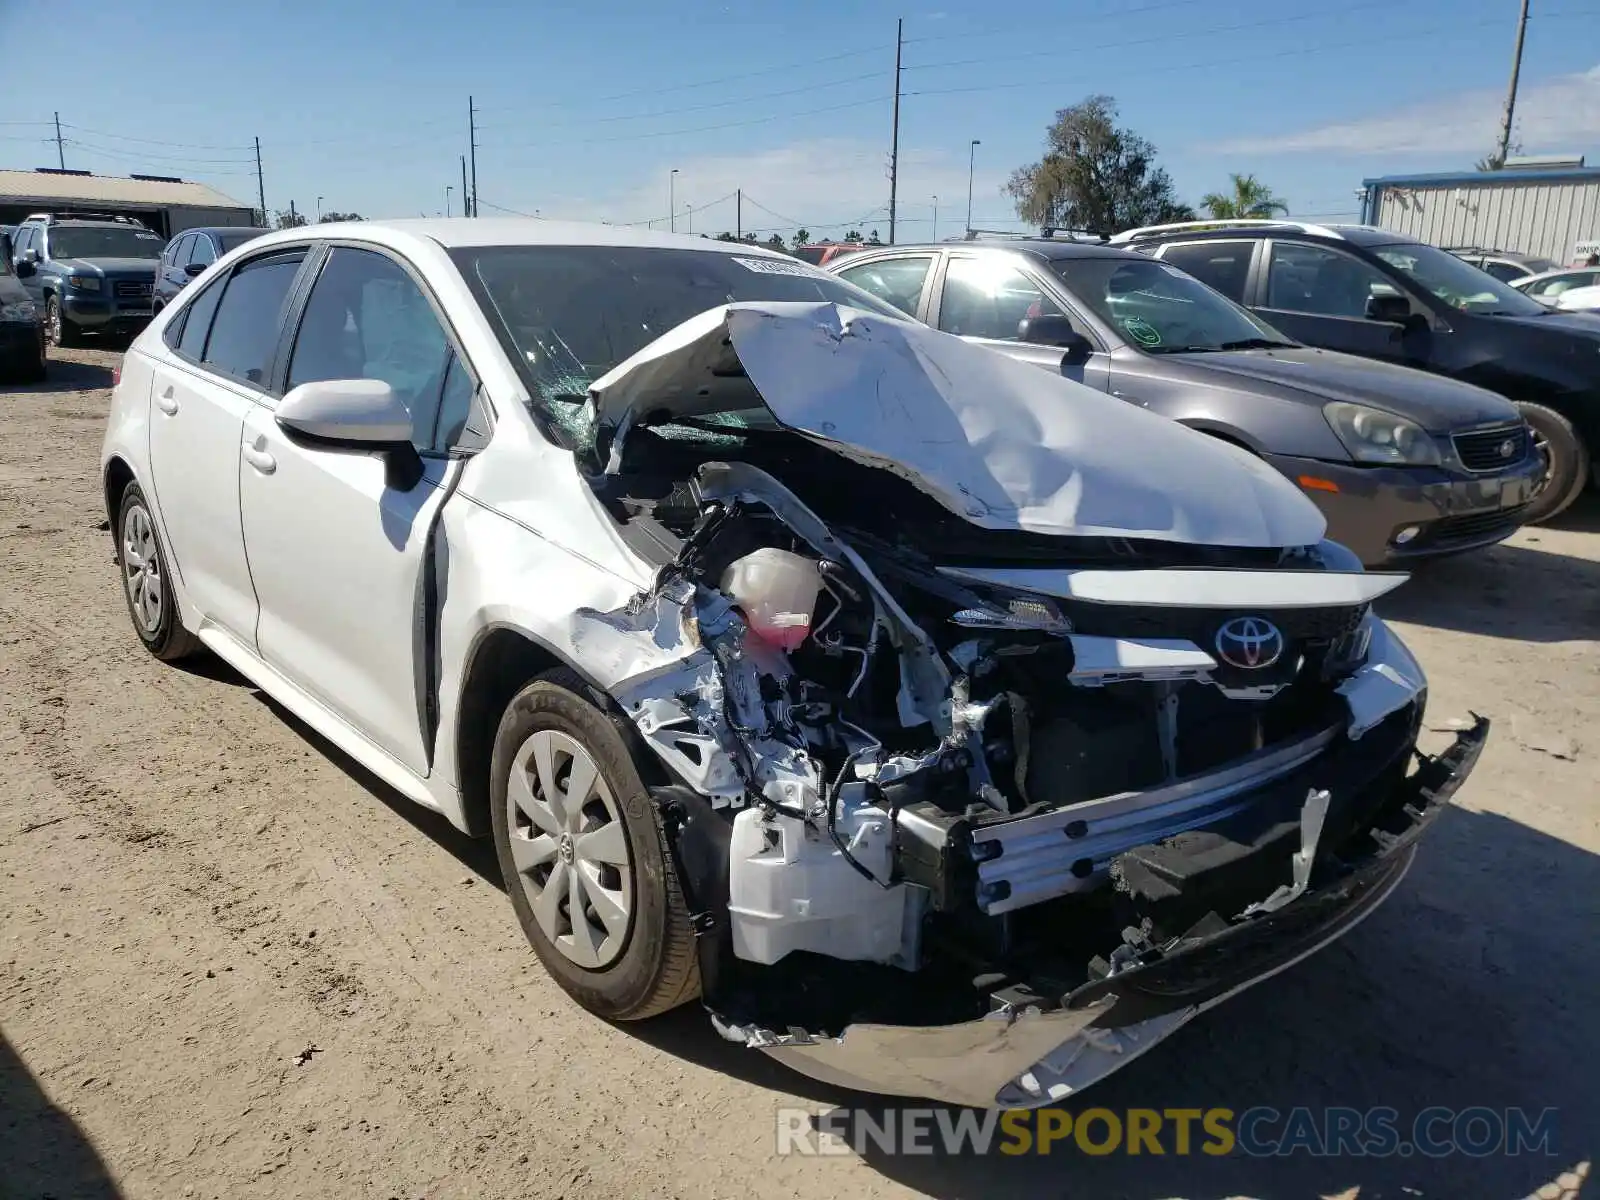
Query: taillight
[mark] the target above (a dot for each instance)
(116, 375)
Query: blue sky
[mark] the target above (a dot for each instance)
(585, 109)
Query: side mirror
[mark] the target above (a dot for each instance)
(194, 269)
(1055, 330)
(25, 269)
(1393, 310)
(30, 256)
(354, 414)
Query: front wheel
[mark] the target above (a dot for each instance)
(584, 855)
(1566, 463)
(61, 331)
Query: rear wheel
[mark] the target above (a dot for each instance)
(584, 855)
(146, 585)
(1566, 462)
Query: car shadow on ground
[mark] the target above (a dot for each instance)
(43, 1151)
(1519, 592)
(1421, 1006)
(65, 375)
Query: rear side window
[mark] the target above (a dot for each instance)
(1221, 266)
(989, 298)
(1503, 271)
(244, 333)
(195, 322)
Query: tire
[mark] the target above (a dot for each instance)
(152, 606)
(1568, 459)
(622, 968)
(62, 332)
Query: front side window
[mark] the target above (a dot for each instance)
(368, 319)
(23, 240)
(895, 280)
(1329, 283)
(1505, 272)
(1458, 284)
(192, 325)
(1221, 266)
(176, 253)
(244, 333)
(95, 241)
(1160, 310)
(567, 314)
(988, 298)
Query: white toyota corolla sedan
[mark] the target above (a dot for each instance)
(949, 728)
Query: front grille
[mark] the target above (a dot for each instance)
(1492, 449)
(1201, 624)
(133, 289)
(1473, 526)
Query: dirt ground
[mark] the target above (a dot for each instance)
(234, 965)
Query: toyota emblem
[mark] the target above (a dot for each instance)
(1249, 643)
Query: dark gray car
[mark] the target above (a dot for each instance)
(191, 252)
(1403, 464)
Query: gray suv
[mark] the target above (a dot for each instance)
(1403, 464)
(87, 272)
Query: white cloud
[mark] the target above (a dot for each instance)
(1552, 115)
(824, 184)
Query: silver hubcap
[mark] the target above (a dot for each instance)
(141, 569)
(570, 849)
(1541, 447)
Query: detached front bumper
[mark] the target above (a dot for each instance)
(1027, 1058)
(1449, 511)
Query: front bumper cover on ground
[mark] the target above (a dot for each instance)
(1029, 1058)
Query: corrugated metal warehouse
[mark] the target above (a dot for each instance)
(1552, 212)
(164, 204)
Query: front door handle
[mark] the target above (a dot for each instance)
(260, 459)
(167, 402)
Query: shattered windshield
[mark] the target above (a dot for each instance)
(567, 314)
(1160, 310)
(1459, 284)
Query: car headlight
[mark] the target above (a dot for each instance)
(19, 312)
(83, 283)
(1374, 436)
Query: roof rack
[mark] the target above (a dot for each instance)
(1048, 233)
(65, 214)
(1149, 231)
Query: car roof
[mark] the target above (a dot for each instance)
(467, 232)
(1555, 272)
(258, 229)
(1359, 235)
(1046, 248)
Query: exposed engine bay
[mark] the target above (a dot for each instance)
(922, 774)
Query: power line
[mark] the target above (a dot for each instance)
(1207, 64)
(147, 155)
(1099, 47)
(1033, 31)
(123, 137)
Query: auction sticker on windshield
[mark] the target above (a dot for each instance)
(773, 266)
(1142, 331)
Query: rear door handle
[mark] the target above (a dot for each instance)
(167, 402)
(261, 460)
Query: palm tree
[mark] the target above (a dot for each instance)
(1251, 198)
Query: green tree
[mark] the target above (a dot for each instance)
(286, 218)
(1250, 198)
(873, 239)
(339, 216)
(775, 242)
(801, 237)
(725, 236)
(1094, 175)
(853, 236)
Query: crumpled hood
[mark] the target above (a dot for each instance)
(1437, 403)
(997, 441)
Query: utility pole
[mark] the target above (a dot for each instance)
(672, 201)
(738, 214)
(894, 144)
(294, 217)
(472, 145)
(935, 236)
(972, 162)
(61, 154)
(261, 187)
(466, 203)
(1511, 93)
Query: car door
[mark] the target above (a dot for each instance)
(171, 271)
(1319, 295)
(899, 279)
(28, 239)
(984, 297)
(223, 345)
(202, 254)
(338, 553)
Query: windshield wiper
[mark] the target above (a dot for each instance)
(1256, 343)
